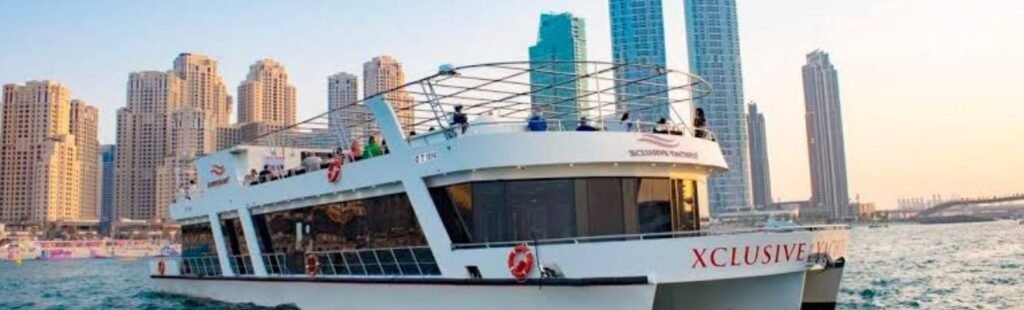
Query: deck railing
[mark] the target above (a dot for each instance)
(648, 236)
(389, 262)
(201, 266)
(241, 264)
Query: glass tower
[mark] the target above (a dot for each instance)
(760, 175)
(714, 54)
(638, 37)
(827, 151)
(555, 62)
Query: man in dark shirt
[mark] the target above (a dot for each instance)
(459, 119)
(585, 126)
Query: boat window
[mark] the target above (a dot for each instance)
(558, 208)
(197, 240)
(654, 206)
(384, 222)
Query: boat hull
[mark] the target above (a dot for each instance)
(783, 291)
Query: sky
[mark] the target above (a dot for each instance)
(930, 89)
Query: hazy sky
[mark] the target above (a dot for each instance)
(931, 90)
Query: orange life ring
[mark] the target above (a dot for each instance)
(520, 262)
(312, 265)
(161, 267)
(334, 171)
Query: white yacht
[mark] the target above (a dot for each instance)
(510, 203)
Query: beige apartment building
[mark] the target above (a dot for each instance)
(170, 118)
(383, 73)
(348, 119)
(84, 123)
(45, 137)
(266, 96)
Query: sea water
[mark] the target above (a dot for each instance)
(948, 266)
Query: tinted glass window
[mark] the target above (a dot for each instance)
(197, 240)
(604, 207)
(654, 205)
(541, 209)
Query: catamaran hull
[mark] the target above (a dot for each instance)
(783, 291)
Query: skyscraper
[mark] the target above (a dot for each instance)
(42, 174)
(555, 62)
(714, 50)
(825, 145)
(384, 73)
(349, 119)
(108, 157)
(638, 37)
(266, 96)
(170, 117)
(760, 175)
(84, 122)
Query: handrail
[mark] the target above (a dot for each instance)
(659, 235)
(556, 125)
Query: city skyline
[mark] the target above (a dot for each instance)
(884, 88)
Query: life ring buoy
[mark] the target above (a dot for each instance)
(161, 267)
(520, 262)
(334, 171)
(312, 265)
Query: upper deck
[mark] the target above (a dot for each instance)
(522, 121)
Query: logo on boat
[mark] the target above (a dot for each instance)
(218, 171)
(657, 140)
(666, 146)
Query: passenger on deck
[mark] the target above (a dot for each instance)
(252, 178)
(699, 124)
(384, 146)
(661, 126)
(265, 174)
(412, 133)
(537, 122)
(356, 150)
(459, 119)
(312, 162)
(372, 149)
(585, 125)
(625, 122)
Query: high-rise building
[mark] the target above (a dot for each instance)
(349, 120)
(555, 62)
(42, 174)
(170, 118)
(825, 145)
(84, 123)
(384, 73)
(266, 96)
(108, 158)
(146, 157)
(760, 174)
(714, 51)
(638, 37)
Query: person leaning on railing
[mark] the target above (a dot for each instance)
(585, 125)
(661, 126)
(699, 124)
(537, 122)
(372, 149)
(459, 119)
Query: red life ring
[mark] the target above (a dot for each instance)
(161, 267)
(334, 171)
(312, 265)
(520, 262)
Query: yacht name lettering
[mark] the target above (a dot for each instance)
(216, 183)
(748, 255)
(662, 153)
